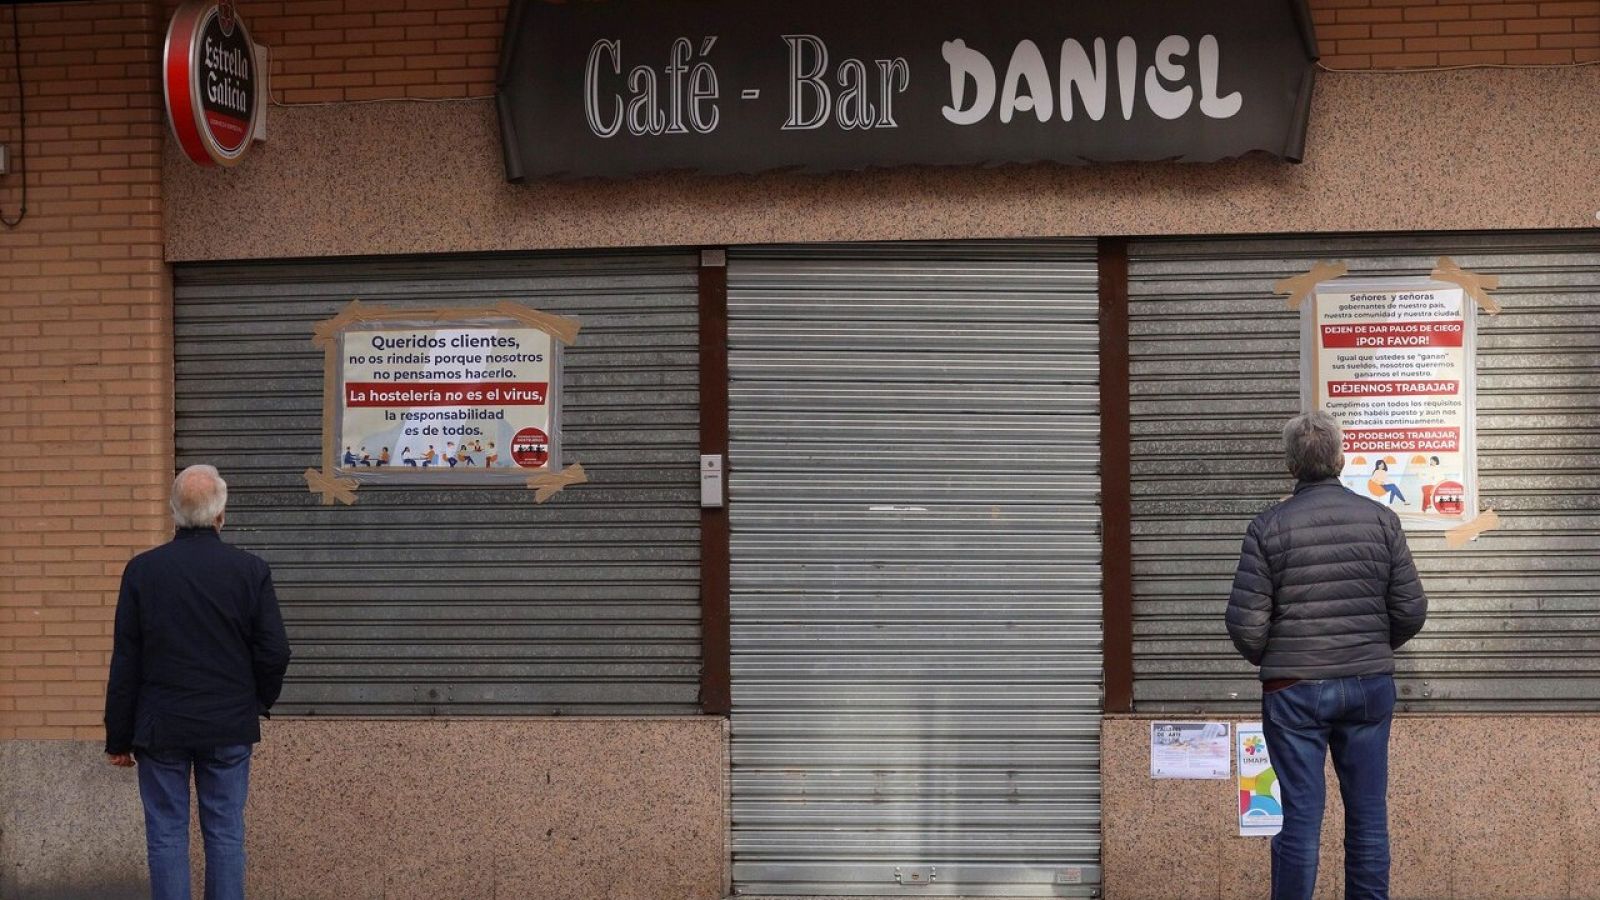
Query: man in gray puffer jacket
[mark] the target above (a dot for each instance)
(1325, 593)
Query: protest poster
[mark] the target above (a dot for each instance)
(1393, 361)
(468, 402)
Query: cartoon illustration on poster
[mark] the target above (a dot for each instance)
(1260, 796)
(456, 403)
(1393, 361)
(1190, 750)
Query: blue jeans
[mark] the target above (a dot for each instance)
(1352, 716)
(221, 780)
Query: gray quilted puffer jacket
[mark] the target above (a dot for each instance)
(1325, 587)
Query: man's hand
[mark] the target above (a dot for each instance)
(120, 760)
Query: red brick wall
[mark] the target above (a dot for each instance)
(1383, 34)
(85, 352)
(332, 50)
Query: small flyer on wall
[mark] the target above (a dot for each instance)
(460, 403)
(1393, 361)
(1260, 797)
(1190, 750)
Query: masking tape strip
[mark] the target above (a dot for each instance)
(1477, 286)
(341, 489)
(1457, 537)
(1298, 286)
(330, 372)
(549, 484)
(320, 482)
(561, 328)
(323, 333)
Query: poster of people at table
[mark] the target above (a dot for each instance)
(1393, 361)
(459, 403)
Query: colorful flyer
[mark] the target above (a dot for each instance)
(1393, 361)
(1190, 750)
(1260, 797)
(471, 402)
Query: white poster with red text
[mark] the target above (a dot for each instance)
(456, 403)
(1393, 361)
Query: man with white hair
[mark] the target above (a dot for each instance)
(199, 654)
(1325, 593)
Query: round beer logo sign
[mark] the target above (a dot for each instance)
(209, 75)
(530, 448)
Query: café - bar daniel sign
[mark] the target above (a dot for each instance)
(614, 88)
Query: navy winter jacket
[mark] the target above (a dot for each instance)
(1325, 587)
(199, 651)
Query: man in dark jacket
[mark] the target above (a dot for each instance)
(199, 653)
(1325, 593)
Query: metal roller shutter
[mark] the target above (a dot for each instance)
(916, 583)
(1515, 616)
(421, 600)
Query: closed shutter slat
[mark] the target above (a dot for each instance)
(916, 591)
(464, 600)
(1514, 622)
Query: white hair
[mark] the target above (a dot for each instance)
(198, 497)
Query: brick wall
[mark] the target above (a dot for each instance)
(85, 352)
(1382, 34)
(333, 50)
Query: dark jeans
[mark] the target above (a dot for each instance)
(221, 780)
(1351, 716)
